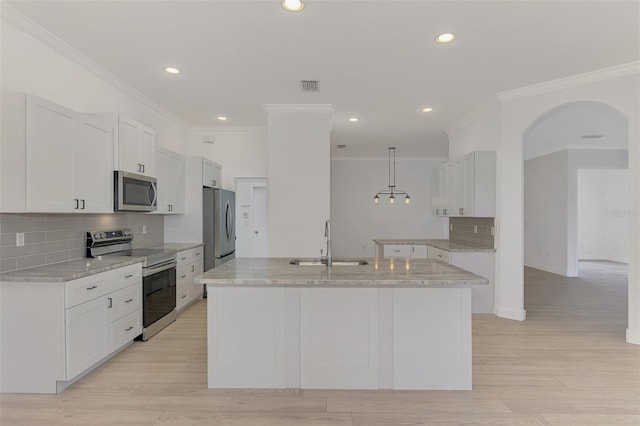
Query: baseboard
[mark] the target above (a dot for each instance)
(605, 258)
(512, 314)
(546, 268)
(633, 336)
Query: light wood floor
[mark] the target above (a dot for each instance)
(568, 364)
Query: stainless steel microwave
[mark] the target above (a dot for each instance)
(134, 192)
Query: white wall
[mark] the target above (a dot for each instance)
(29, 65)
(551, 206)
(242, 151)
(545, 212)
(603, 225)
(617, 87)
(298, 172)
(357, 220)
(480, 133)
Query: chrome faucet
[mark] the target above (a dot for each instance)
(327, 234)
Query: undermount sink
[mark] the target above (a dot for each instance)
(335, 262)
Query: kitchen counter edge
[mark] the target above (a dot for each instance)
(69, 270)
(445, 245)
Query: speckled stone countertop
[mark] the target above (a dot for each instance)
(381, 273)
(441, 244)
(67, 271)
(177, 246)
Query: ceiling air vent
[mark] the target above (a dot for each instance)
(341, 146)
(310, 85)
(591, 136)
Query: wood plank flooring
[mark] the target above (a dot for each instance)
(568, 364)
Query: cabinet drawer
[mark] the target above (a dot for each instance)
(86, 288)
(188, 256)
(125, 277)
(125, 301)
(182, 275)
(418, 252)
(439, 254)
(182, 296)
(126, 329)
(397, 250)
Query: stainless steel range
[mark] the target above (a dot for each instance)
(158, 275)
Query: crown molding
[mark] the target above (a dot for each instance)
(568, 82)
(305, 108)
(23, 23)
(228, 129)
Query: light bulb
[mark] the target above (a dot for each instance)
(293, 5)
(392, 199)
(407, 199)
(376, 199)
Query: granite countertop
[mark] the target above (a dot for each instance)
(177, 246)
(67, 271)
(441, 244)
(381, 273)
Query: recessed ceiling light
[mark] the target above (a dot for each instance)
(171, 70)
(341, 146)
(426, 109)
(591, 136)
(222, 118)
(293, 5)
(353, 119)
(445, 38)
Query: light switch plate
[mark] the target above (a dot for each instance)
(144, 229)
(19, 239)
(475, 229)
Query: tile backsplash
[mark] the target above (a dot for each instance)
(463, 230)
(52, 238)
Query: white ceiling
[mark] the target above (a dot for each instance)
(375, 60)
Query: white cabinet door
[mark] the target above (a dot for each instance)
(436, 193)
(196, 290)
(340, 349)
(136, 147)
(128, 131)
(419, 251)
(438, 254)
(88, 335)
(49, 157)
(147, 150)
(211, 173)
(466, 207)
(93, 165)
(175, 184)
(162, 176)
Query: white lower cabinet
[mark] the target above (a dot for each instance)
(52, 332)
(405, 251)
(339, 338)
(438, 254)
(190, 265)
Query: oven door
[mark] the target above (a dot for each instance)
(159, 286)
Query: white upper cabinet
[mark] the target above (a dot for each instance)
(136, 147)
(465, 186)
(211, 173)
(171, 183)
(54, 159)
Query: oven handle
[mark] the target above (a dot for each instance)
(159, 268)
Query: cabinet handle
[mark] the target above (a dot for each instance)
(183, 276)
(92, 287)
(77, 204)
(169, 207)
(129, 328)
(128, 276)
(110, 305)
(193, 268)
(461, 211)
(143, 168)
(182, 258)
(129, 300)
(439, 255)
(139, 167)
(82, 208)
(437, 212)
(183, 296)
(197, 254)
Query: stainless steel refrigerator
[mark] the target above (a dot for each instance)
(219, 232)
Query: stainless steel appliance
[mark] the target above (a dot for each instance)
(219, 232)
(134, 192)
(158, 276)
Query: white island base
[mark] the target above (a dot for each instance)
(339, 338)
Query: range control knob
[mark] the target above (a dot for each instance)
(103, 235)
(96, 235)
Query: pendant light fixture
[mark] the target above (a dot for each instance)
(392, 191)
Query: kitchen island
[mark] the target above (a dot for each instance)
(389, 324)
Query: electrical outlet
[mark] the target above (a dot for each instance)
(493, 230)
(19, 239)
(451, 227)
(475, 229)
(144, 229)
